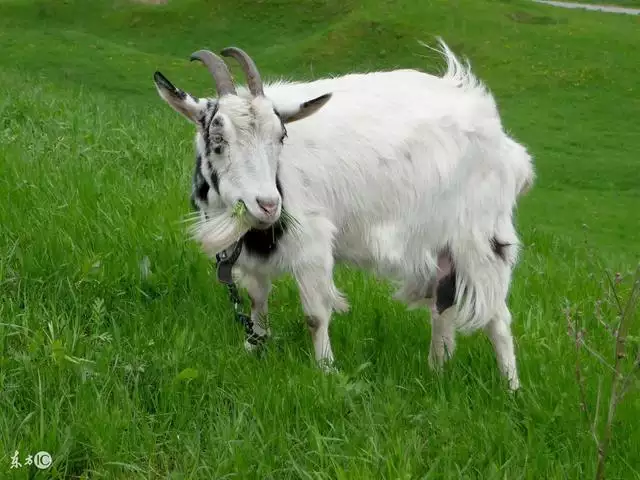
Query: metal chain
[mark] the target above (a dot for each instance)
(225, 261)
(241, 317)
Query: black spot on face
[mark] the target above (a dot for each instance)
(205, 121)
(200, 187)
(215, 181)
(499, 248)
(446, 292)
(203, 191)
(209, 113)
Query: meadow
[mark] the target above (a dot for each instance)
(119, 354)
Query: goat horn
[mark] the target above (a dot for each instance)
(254, 81)
(218, 70)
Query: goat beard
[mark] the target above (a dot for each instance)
(221, 229)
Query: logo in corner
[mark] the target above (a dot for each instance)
(42, 460)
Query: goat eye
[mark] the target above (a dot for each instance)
(218, 150)
(217, 138)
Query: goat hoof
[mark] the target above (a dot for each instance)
(254, 342)
(327, 367)
(435, 363)
(514, 385)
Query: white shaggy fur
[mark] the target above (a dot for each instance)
(402, 173)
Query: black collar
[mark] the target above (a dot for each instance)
(226, 260)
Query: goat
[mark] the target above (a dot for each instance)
(404, 173)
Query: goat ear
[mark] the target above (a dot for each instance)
(182, 102)
(305, 109)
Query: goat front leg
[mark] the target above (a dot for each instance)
(499, 332)
(443, 336)
(258, 287)
(319, 297)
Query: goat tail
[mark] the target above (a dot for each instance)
(457, 73)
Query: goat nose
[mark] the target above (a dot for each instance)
(268, 205)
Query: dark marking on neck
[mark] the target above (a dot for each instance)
(264, 243)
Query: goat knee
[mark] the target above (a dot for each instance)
(316, 288)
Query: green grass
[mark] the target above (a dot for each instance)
(122, 373)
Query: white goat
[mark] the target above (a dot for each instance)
(405, 173)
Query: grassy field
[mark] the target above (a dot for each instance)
(118, 351)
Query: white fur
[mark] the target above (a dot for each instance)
(219, 231)
(396, 167)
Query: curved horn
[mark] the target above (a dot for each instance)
(254, 81)
(218, 70)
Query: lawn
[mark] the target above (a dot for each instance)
(119, 354)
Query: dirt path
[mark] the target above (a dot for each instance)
(589, 6)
